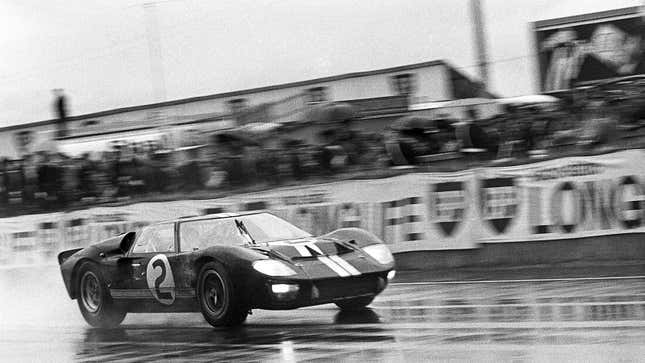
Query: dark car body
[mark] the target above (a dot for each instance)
(327, 268)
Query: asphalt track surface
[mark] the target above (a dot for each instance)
(593, 315)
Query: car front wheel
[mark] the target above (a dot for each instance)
(94, 300)
(218, 300)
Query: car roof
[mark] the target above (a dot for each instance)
(208, 216)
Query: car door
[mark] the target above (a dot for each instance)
(153, 260)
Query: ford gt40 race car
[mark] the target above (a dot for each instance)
(224, 265)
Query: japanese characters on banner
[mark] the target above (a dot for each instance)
(556, 199)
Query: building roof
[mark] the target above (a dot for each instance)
(590, 17)
(235, 93)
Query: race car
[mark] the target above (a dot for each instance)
(224, 265)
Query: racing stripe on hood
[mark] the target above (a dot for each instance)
(312, 245)
(345, 265)
(308, 248)
(334, 266)
(302, 250)
(340, 266)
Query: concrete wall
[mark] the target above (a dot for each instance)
(586, 251)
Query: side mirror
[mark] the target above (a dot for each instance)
(126, 242)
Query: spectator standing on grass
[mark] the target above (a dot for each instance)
(472, 135)
(350, 141)
(3, 185)
(600, 126)
(190, 171)
(295, 160)
(250, 163)
(48, 180)
(69, 182)
(86, 180)
(30, 172)
(325, 151)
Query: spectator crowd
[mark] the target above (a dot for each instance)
(51, 180)
(532, 127)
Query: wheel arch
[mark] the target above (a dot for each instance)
(235, 268)
(200, 262)
(75, 276)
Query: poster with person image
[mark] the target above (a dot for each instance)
(582, 49)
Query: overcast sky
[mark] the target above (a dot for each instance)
(98, 50)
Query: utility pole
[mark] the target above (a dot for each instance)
(480, 41)
(157, 75)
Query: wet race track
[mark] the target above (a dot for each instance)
(590, 319)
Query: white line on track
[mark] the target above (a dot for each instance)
(517, 281)
(473, 306)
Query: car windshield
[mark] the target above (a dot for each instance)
(248, 229)
(265, 227)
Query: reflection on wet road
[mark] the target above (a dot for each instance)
(592, 320)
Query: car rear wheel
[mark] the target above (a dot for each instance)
(218, 300)
(354, 304)
(94, 299)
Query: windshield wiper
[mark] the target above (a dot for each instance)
(245, 232)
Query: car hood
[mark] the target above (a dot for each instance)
(309, 246)
(323, 257)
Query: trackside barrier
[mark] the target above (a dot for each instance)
(49, 240)
(403, 220)
(356, 214)
(314, 218)
(562, 199)
(349, 215)
(76, 233)
(220, 207)
(396, 221)
(5, 249)
(393, 221)
(212, 210)
(24, 247)
(255, 205)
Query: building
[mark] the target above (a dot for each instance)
(379, 95)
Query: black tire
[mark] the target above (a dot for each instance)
(94, 299)
(354, 304)
(219, 302)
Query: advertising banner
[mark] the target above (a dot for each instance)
(563, 198)
(589, 48)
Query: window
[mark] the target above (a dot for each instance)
(197, 235)
(317, 94)
(237, 105)
(157, 238)
(261, 227)
(265, 227)
(403, 84)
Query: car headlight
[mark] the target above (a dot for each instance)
(273, 268)
(380, 253)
